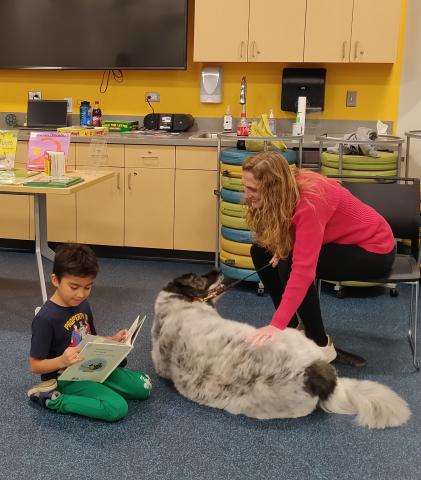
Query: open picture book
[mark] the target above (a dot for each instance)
(101, 355)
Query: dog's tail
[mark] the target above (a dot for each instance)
(374, 404)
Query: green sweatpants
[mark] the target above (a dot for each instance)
(104, 401)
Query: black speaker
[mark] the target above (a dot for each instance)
(150, 122)
(182, 122)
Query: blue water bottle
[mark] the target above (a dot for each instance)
(85, 112)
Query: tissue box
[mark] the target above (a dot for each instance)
(121, 126)
(83, 131)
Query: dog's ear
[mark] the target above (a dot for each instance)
(187, 279)
(185, 285)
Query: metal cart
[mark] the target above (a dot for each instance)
(409, 135)
(230, 138)
(391, 142)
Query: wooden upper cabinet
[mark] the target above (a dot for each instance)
(276, 30)
(221, 30)
(249, 30)
(375, 31)
(352, 31)
(328, 31)
(341, 31)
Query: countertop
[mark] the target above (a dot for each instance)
(178, 139)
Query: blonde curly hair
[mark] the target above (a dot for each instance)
(280, 192)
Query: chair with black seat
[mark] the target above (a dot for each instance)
(398, 201)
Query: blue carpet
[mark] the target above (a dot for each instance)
(169, 437)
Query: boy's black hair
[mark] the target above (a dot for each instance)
(75, 259)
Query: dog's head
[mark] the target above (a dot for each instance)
(193, 287)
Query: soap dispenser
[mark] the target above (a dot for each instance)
(211, 85)
(228, 120)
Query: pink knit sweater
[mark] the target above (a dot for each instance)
(334, 216)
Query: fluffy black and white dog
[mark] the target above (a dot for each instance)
(210, 362)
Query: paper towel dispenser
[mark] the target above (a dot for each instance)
(303, 82)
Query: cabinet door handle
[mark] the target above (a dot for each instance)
(150, 159)
(129, 181)
(118, 180)
(242, 45)
(356, 50)
(344, 49)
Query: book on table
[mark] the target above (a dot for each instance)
(53, 182)
(101, 355)
(41, 142)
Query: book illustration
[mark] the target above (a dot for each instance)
(101, 355)
(92, 365)
(8, 144)
(41, 142)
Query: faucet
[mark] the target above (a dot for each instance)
(243, 92)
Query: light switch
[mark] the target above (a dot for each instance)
(351, 98)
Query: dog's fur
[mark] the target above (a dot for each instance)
(210, 362)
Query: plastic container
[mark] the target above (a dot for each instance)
(228, 120)
(85, 114)
(96, 115)
(272, 122)
(243, 129)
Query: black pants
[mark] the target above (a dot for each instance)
(336, 262)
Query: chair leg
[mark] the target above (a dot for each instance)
(413, 323)
(319, 287)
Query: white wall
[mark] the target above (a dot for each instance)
(409, 116)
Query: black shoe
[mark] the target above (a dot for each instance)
(43, 392)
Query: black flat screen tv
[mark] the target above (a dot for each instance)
(93, 34)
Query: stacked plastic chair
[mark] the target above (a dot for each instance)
(360, 165)
(235, 236)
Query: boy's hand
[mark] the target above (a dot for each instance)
(71, 356)
(120, 336)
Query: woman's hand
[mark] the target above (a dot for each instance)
(70, 356)
(262, 335)
(120, 336)
(274, 261)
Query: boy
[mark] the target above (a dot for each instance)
(58, 328)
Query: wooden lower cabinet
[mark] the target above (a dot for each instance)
(160, 197)
(149, 208)
(195, 210)
(15, 216)
(100, 211)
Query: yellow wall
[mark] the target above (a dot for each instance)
(377, 86)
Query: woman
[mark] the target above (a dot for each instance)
(307, 226)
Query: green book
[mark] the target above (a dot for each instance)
(62, 182)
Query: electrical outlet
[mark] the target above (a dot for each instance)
(69, 104)
(34, 95)
(351, 98)
(152, 96)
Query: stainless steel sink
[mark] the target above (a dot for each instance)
(207, 135)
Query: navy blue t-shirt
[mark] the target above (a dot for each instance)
(55, 328)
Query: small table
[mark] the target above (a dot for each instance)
(40, 211)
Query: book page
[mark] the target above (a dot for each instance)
(99, 360)
(134, 329)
